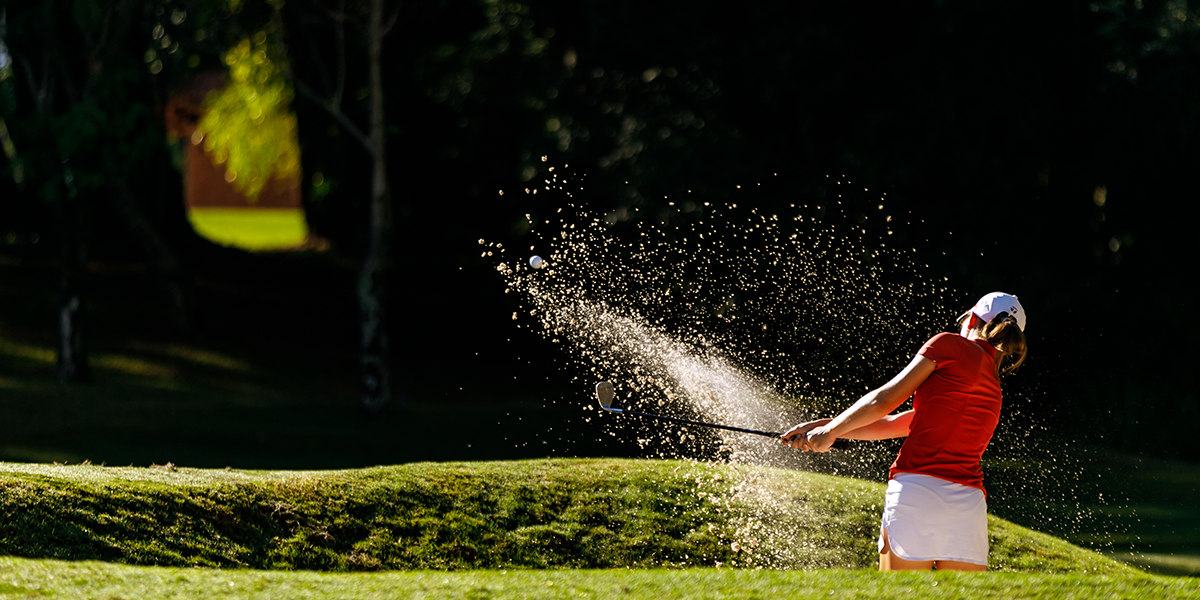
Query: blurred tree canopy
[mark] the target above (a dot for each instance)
(248, 124)
(1046, 148)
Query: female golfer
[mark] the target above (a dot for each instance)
(935, 513)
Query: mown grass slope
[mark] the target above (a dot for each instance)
(63, 579)
(576, 513)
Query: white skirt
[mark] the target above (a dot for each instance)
(927, 518)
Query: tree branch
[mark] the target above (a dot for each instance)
(72, 93)
(339, 16)
(391, 22)
(118, 19)
(105, 27)
(340, 33)
(337, 115)
(41, 92)
(317, 58)
(157, 253)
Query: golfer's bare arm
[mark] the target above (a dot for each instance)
(868, 418)
(891, 426)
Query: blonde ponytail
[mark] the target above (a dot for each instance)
(1006, 336)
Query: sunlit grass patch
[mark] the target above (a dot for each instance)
(206, 358)
(133, 366)
(89, 579)
(26, 351)
(195, 356)
(251, 228)
(119, 363)
(14, 384)
(147, 365)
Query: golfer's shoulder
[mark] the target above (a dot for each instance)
(943, 347)
(946, 337)
(946, 340)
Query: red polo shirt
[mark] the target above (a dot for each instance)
(955, 412)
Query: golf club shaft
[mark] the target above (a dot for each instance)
(839, 444)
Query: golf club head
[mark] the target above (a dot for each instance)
(605, 392)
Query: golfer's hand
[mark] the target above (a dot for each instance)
(820, 439)
(796, 437)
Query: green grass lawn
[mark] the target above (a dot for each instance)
(64, 579)
(251, 228)
(625, 528)
(547, 513)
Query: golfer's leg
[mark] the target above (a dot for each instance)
(954, 565)
(891, 562)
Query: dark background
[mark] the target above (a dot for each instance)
(1044, 148)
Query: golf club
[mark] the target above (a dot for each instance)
(605, 393)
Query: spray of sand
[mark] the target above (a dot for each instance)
(751, 318)
(730, 315)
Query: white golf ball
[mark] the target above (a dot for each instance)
(536, 262)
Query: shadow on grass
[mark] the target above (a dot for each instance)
(148, 405)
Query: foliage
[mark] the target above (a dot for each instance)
(7, 106)
(247, 125)
(643, 114)
(78, 100)
(593, 513)
(190, 37)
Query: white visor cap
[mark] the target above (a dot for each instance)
(995, 303)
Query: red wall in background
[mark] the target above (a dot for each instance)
(204, 182)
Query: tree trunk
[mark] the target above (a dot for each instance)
(158, 255)
(73, 366)
(376, 384)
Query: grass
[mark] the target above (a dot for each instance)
(440, 516)
(627, 528)
(215, 407)
(584, 513)
(1141, 510)
(1187, 565)
(251, 228)
(62, 579)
